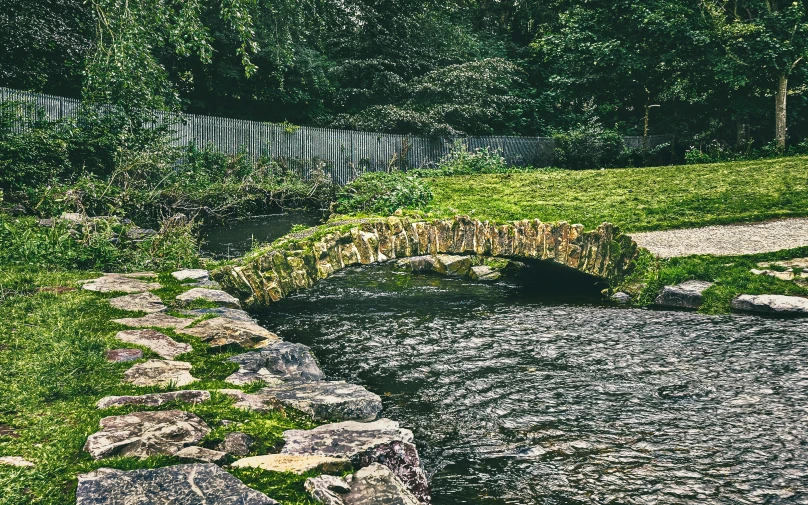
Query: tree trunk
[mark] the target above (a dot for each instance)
(780, 112)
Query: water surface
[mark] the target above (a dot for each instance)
(519, 397)
(234, 238)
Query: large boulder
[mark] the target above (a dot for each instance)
(298, 464)
(139, 302)
(144, 434)
(198, 484)
(687, 295)
(327, 400)
(484, 273)
(771, 304)
(279, 361)
(448, 264)
(216, 296)
(154, 399)
(221, 331)
(156, 320)
(372, 485)
(160, 372)
(162, 345)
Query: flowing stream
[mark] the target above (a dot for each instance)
(521, 393)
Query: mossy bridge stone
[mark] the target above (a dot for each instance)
(293, 264)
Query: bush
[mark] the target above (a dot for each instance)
(462, 161)
(383, 193)
(589, 146)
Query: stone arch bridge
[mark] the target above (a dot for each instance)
(296, 262)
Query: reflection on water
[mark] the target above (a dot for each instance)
(518, 399)
(235, 238)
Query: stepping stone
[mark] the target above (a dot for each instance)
(15, 461)
(326, 400)
(163, 345)
(156, 320)
(621, 298)
(373, 485)
(222, 331)
(788, 275)
(202, 454)
(236, 443)
(194, 274)
(139, 302)
(295, 463)
(159, 372)
(236, 314)
(197, 484)
(484, 273)
(687, 295)
(123, 355)
(801, 263)
(447, 264)
(144, 434)
(154, 399)
(256, 403)
(279, 361)
(119, 283)
(381, 441)
(211, 295)
(771, 304)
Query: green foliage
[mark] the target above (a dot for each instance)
(718, 152)
(383, 193)
(589, 145)
(462, 161)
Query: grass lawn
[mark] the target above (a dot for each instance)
(53, 370)
(636, 199)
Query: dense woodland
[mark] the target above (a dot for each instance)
(734, 72)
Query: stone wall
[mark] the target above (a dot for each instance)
(295, 264)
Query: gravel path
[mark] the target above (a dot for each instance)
(727, 240)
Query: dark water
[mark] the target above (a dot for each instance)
(517, 397)
(233, 239)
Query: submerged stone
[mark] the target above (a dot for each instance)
(687, 295)
(163, 345)
(210, 295)
(372, 485)
(298, 464)
(771, 304)
(144, 434)
(159, 372)
(327, 400)
(197, 484)
(222, 331)
(418, 264)
(278, 361)
(139, 302)
(156, 320)
(154, 399)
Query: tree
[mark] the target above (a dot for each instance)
(765, 41)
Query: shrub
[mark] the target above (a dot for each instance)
(462, 161)
(383, 193)
(589, 145)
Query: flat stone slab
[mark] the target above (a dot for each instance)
(344, 440)
(202, 454)
(687, 295)
(15, 461)
(163, 345)
(154, 399)
(139, 302)
(771, 304)
(123, 355)
(156, 320)
(222, 331)
(160, 372)
(298, 464)
(256, 403)
(373, 485)
(119, 283)
(144, 434)
(448, 264)
(788, 275)
(197, 484)
(194, 274)
(210, 295)
(327, 400)
(278, 361)
(236, 314)
(484, 273)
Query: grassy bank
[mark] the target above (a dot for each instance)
(53, 370)
(636, 199)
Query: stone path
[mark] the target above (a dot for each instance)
(727, 240)
(387, 462)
